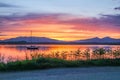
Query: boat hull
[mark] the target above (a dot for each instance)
(32, 48)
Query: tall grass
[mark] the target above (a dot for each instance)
(46, 63)
(2, 58)
(87, 54)
(78, 58)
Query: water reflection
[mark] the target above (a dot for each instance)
(20, 51)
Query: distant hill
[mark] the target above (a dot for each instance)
(99, 40)
(32, 39)
(96, 40)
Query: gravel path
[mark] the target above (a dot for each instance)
(93, 73)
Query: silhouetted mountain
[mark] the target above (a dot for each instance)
(32, 39)
(99, 40)
(96, 40)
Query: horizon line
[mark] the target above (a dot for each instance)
(61, 40)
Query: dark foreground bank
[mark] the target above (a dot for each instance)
(46, 63)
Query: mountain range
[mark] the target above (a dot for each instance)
(31, 40)
(99, 40)
(95, 40)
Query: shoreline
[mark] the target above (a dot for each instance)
(52, 44)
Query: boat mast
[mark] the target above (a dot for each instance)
(31, 37)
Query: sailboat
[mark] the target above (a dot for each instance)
(32, 47)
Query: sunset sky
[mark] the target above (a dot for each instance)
(60, 19)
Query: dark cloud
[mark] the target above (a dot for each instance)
(59, 18)
(107, 20)
(28, 16)
(7, 5)
(104, 22)
(21, 20)
(2, 35)
(117, 8)
(111, 19)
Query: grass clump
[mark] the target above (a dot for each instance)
(46, 63)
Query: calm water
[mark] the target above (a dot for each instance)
(19, 51)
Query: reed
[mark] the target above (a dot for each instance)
(46, 63)
(61, 59)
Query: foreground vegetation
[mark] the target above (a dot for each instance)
(46, 63)
(78, 58)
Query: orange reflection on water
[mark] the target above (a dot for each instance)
(11, 52)
(69, 52)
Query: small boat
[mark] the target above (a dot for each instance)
(32, 47)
